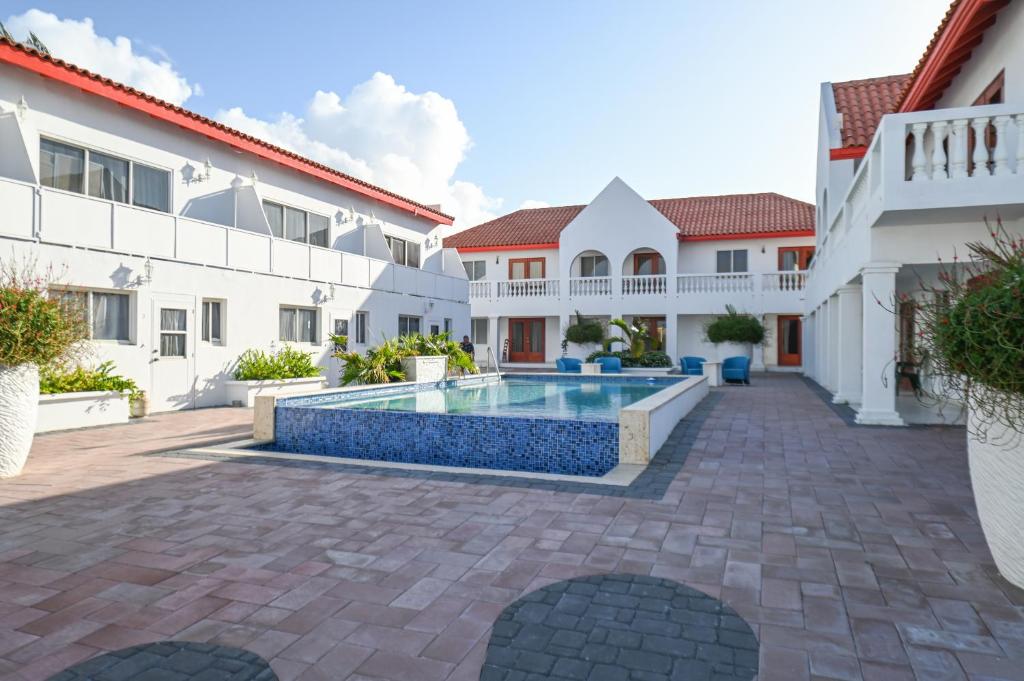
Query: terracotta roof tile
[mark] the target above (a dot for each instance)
(862, 104)
(204, 121)
(695, 217)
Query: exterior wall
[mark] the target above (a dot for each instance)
(696, 257)
(214, 243)
(1001, 49)
(498, 261)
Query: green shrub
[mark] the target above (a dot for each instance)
(257, 365)
(35, 325)
(584, 331)
(383, 363)
(647, 360)
(56, 379)
(971, 331)
(734, 327)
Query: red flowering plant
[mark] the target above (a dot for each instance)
(35, 326)
(971, 323)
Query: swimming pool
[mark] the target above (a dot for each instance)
(544, 423)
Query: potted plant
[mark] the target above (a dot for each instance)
(734, 334)
(415, 357)
(634, 337)
(259, 373)
(78, 397)
(36, 328)
(583, 332)
(971, 323)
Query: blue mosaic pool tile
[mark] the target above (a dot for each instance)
(522, 444)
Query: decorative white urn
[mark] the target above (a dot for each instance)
(19, 405)
(997, 478)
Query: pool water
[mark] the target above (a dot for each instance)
(579, 399)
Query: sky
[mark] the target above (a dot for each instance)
(487, 107)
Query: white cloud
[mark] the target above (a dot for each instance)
(77, 42)
(380, 132)
(533, 203)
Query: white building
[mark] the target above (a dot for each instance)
(191, 242)
(669, 264)
(908, 168)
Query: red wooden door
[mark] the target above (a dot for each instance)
(526, 340)
(789, 340)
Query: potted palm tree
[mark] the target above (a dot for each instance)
(734, 334)
(971, 323)
(35, 329)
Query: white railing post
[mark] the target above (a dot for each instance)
(1019, 120)
(1001, 154)
(938, 151)
(918, 161)
(958, 150)
(980, 125)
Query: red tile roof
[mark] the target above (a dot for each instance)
(698, 217)
(862, 104)
(46, 65)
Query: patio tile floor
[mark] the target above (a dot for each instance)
(854, 553)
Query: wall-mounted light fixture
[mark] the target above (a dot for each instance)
(147, 272)
(21, 108)
(190, 175)
(762, 249)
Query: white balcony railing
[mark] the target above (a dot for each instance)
(644, 285)
(714, 283)
(479, 289)
(783, 281)
(590, 286)
(528, 288)
(968, 146)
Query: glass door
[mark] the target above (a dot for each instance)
(526, 340)
(789, 340)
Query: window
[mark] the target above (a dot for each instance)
(475, 269)
(593, 266)
(447, 325)
(173, 331)
(298, 325)
(478, 331)
(362, 321)
(341, 329)
(435, 329)
(732, 261)
(403, 252)
(212, 321)
(408, 325)
(993, 92)
(106, 314)
(297, 225)
(648, 263)
(526, 268)
(63, 166)
(795, 257)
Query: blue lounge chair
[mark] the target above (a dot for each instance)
(610, 365)
(692, 366)
(568, 365)
(736, 369)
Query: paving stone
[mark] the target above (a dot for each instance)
(171, 661)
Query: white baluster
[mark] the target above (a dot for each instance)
(938, 151)
(1019, 120)
(979, 125)
(958, 150)
(1001, 154)
(919, 161)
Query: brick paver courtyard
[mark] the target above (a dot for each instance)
(853, 553)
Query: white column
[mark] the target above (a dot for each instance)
(671, 336)
(851, 329)
(878, 392)
(820, 338)
(807, 346)
(493, 337)
(563, 323)
(833, 343)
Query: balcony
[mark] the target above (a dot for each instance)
(691, 293)
(59, 217)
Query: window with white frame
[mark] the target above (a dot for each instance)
(408, 325)
(82, 170)
(447, 324)
(475, 269)
(298, 324)
(362, 320)
(732, 261)
(297, 225)
(173, 332)
(212, 329)
(107, 315)
(593, 266)
(478, 331)
(403, 252)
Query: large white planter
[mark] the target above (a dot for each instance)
(997, 478)
(425, 369)
(243, 393)
(19, 402)
(731, 349)
(648, 371)
(82, 410)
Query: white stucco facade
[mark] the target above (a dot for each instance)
(918, 196)
(211, 244)
(619, 224)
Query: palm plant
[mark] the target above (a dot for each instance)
(383, 363)
(636, 337)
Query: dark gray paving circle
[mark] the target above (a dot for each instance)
(172, 661)
(620, 628)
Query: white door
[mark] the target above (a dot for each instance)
(173, 353)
